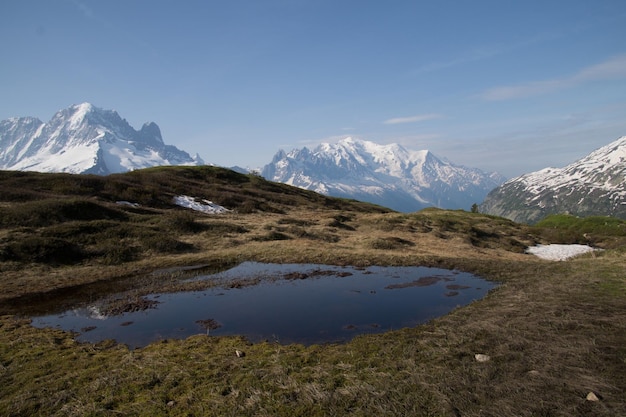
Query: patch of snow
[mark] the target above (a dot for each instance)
(204, 206)
(127, 203)
(73, 160)
(558, 252)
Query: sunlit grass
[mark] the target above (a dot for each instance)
(554, 331)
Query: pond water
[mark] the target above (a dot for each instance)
(288, 303)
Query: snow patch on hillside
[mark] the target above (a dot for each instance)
(559, 252)
(204, 206)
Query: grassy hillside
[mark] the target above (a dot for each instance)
(61, 219)
(554, 331)
(597, 231)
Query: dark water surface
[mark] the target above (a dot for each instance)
(291, 303)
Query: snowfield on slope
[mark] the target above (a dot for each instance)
(204, 206)
(557, 252)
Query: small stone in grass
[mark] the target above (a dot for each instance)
(592, 396)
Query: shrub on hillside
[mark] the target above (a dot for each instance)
(165, 244)
(43, 250)
(182, 221)
(42, 213)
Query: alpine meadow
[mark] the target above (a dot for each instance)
(548, 340)
(313, 208)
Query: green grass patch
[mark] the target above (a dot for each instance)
(601, 231)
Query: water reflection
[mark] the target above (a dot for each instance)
(301, 303)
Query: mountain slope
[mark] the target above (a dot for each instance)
(388, 175)
(84, 139)
(593, 185)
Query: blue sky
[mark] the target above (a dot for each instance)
(512, 86)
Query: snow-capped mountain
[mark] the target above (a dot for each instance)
(388, 175)
(84, 139)
(593, 185)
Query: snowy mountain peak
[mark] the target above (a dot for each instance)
(80, 110)
(84, 139)
(607, 162)
(388, 175)
(592, 185)
(78, 114)
(613, 154)
(82, 107)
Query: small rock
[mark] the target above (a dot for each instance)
(592, 396)
(480, 357)
(171, 403)
(239, 353)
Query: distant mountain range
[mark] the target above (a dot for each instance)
(85, 139)
(593, 185)
(388, 175)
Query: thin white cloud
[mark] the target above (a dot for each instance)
(467, 57)
(483, 52)
(612, 68)
(413, 119)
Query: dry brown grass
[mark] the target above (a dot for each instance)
(313, 237)
(554, 331)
